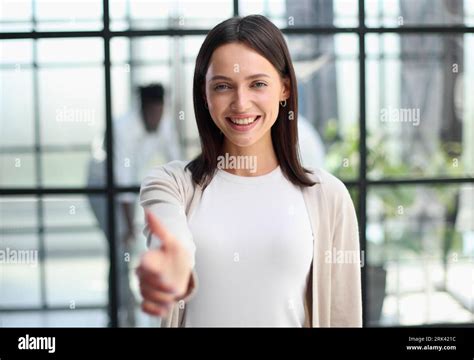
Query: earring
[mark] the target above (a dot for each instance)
(283, 103)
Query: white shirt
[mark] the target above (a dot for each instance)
(254, 249)
(136, 151)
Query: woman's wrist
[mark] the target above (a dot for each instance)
(191, 288)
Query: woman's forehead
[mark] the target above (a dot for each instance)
(238, 60)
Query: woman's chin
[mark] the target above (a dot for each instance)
(242, 141)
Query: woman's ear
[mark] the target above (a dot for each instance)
(285, 90)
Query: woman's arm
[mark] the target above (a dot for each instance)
(164, 192)
(163, 196)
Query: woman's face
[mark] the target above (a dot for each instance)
(243, 91)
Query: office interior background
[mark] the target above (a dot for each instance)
(387, 88)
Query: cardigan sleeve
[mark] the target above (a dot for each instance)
(346, 292)
(164, 192)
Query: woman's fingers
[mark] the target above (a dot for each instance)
(156, 296)
(151, 271)
(155, 309)
(154, 280)
(152, 261)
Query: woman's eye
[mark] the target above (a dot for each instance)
(221, 87)
(259, 84)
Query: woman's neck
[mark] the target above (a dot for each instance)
(255, 160)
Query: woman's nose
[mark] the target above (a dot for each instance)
(241, 100)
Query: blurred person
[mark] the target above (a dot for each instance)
(142, 139)
(311, 146)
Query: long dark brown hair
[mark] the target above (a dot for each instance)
(261, 35)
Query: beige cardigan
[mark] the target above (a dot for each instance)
(335, 291)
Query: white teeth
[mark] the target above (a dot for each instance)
(244, 121)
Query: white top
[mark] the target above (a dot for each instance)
(254, 248)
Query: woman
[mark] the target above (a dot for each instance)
(267, 239)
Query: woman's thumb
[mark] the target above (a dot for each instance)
(158, 229)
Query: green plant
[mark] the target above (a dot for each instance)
(342, 159)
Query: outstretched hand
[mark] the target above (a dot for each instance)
(163, 273)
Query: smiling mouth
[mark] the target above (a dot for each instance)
(243, 121)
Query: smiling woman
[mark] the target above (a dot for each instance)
(245, 99)
(255, 236)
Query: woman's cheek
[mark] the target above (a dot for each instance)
(268, 103)
(267, 100)
(214, 106)
(218, 102)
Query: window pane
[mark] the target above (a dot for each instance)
(144, 14)
(18, 214)
(150, 48)
(17, 120)
(72, 117)
(73, 243)
(187, 123)
(328, 120)
(15, 15)
(68, 211)
(394, 13)
(17, 164)
(70, 15)
(19, 252)
(67, 318)
(17, 169)
(16, 77)
(419, 109)
(420, 246)
(72, 51)
(50, 15)
(19, 279)
(16, 51)
(343, 13)
(19, 275)
(54, 167)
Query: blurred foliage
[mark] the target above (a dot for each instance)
(342, 156)
(342, 159)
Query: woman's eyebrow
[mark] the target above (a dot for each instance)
(222, 77)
